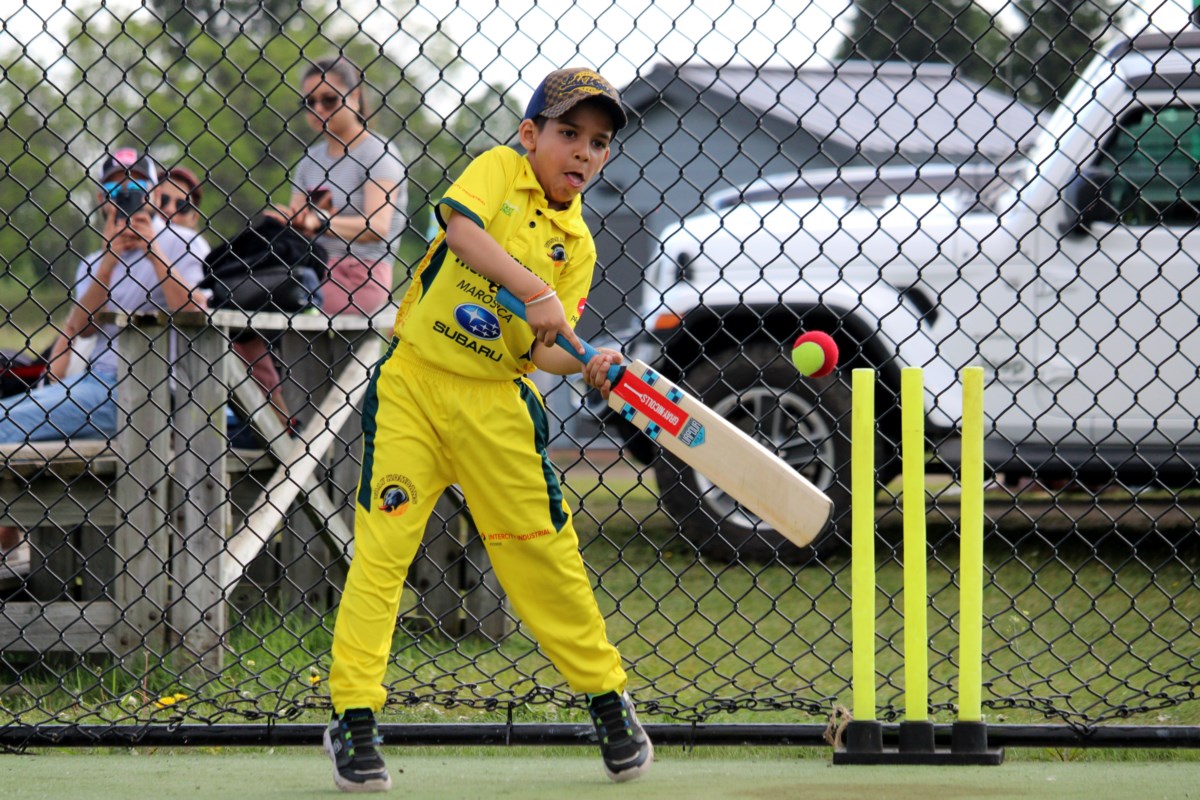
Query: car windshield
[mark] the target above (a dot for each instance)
(964, 186)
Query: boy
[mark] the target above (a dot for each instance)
(451, 402)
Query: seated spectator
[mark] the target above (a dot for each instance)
(177, 200)
(143, 265)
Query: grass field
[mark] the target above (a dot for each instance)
(439, 774)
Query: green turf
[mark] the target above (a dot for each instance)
(529, 774)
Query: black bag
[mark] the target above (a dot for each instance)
(19, 371)
(267, 267)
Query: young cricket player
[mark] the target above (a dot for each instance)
(451, 402)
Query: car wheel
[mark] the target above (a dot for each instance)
(802, 420)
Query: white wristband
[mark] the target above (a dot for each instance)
(543, 298)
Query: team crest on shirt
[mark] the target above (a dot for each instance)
(394, 494)
(556, 250)
(477, 321)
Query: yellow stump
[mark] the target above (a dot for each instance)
(862, 536)
(970, 557)
(916, 601)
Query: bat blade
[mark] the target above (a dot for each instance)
(745, 470)
(708, 443)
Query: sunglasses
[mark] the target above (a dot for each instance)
(181, 204)
(327, 102)
(112, 188)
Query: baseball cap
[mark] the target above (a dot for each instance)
(563, 89)
(127, 161)
(186, 180)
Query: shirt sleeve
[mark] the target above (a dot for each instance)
(199, 247)
(475, 192)
(83, 275)
(389, 170)
(183, 263)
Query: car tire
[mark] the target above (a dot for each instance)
(805, 421)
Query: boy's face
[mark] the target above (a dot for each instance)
(568, 151)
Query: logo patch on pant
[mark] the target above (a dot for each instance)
(394, 494)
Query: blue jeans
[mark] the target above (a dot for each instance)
(84, 407)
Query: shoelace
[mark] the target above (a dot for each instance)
(613, 720)
(360, 732)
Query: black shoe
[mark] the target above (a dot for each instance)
(352, 741)
(626, 748)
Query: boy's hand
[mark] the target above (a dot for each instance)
(595, 372)
(548, 321)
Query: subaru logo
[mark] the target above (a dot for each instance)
(477, 321)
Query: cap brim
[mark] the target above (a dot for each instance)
(620, 120)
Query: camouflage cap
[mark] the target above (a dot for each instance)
(563, 89)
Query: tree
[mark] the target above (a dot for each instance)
(41, 209)
(957, 32)
(222, 19)
(1056, 40)
(228, 107)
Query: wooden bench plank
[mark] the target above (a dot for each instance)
(235, 320)
(271, 429)
(64, 626)
(14, 453)
(68, 458)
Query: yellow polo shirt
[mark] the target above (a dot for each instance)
(449, 316)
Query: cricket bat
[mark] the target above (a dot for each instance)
(745, 470)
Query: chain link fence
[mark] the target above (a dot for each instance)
(934, 184)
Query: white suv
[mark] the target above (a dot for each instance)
(1073, 278)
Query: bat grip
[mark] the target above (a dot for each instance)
(509, 300)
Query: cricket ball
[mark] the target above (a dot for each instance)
(815, 354)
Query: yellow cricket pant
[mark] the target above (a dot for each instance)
(423, 430)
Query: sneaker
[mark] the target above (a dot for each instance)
(353, 741)
(626, 748)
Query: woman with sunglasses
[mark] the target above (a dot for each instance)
(358, 175)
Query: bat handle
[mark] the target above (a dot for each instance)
(509, 300)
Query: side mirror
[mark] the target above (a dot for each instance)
(1088, 200)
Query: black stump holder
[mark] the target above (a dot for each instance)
(916, 745)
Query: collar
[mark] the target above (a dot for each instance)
(569, 219)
